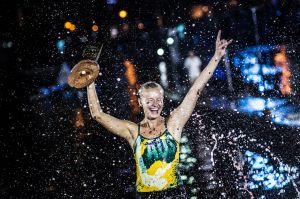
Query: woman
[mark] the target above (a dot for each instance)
(156, 140)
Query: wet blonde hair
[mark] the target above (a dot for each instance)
(149, 85)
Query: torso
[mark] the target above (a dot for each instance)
(157, 158)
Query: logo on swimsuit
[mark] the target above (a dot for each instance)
(153, 142)
(161, 149)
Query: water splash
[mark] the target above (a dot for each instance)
(213, 149)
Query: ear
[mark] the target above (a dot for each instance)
(140, 103)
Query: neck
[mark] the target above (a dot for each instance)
(153, 123)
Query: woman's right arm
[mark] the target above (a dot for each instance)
(112, 124)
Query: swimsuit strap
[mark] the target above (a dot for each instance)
(139, 127)
(166, 123)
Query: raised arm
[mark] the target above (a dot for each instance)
(112, 124)
(182, 113)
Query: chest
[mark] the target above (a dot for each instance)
(163, 148)
(152, 133)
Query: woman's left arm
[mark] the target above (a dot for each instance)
(182, 113)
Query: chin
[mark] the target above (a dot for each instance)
(152, 117)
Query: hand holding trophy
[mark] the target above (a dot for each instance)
(85, 72)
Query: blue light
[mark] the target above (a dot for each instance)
(258, 163)
(270, 70)
(180, 28)
(253, 60)
(44, 91)
(237, 62)
(63, 74)
(269, 168)
(111, 2)
(220, 74)
(261, 88)
(254, 69)
(250, 58)
(278, 13)
(268, 86)
(60, 46)
(196, 39)
(267, 177)
(67, 95)
(55, 88)
(277, 119)
(252, 104)
(254, 78)
(249, 153)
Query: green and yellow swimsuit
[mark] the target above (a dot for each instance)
(157, 162)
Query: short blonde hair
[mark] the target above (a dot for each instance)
(147, 85)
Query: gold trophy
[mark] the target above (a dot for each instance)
(86, 71)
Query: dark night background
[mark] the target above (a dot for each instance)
(45, 155)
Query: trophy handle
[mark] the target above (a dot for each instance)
(87, 70)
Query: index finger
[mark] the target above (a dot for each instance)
(219, 36)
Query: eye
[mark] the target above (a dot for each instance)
(149, 101)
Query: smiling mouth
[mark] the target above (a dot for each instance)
(154, 111)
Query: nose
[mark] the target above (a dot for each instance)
(156, 103)
(153, 103)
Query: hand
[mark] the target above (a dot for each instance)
(221, 46)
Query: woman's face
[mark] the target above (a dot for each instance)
(152, 101)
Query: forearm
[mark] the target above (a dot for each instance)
(205, 75)
(93, 101)
(112, 124)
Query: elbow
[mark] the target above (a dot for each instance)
(95, 113)
(96, 116)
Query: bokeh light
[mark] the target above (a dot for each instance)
(170, 41)
(160, 51)
(95, 28)
(68, 25)
(197, 12)
(60, 45)
(114, 32)
(123, 14)
(73, 27)
(141, 26)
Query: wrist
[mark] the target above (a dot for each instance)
(216, 57)
(91, 85)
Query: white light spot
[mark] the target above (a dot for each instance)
(160, 51)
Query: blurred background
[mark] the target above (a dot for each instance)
(242, 141)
